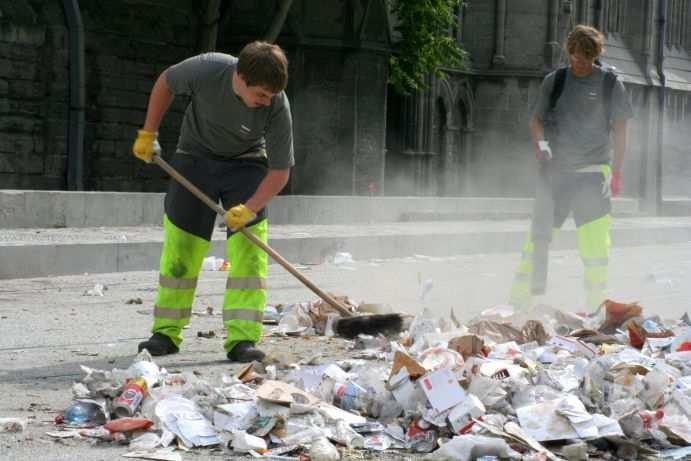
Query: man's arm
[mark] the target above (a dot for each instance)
(239, 215)
(146, 144)
(159, 101)
(543, 151)
(537, 130)
(620, 127)
(270, 186)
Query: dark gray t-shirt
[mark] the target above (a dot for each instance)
(583, 137)
(217, 122)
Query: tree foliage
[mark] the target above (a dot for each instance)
(426, 42)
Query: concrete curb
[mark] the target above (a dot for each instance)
(61, 209)
(63, 258)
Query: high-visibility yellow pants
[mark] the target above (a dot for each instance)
(188, 226)
(559, 194)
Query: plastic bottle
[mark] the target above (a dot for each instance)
(83, 413)
(130, 399)
(351, 396)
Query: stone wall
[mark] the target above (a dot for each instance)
(474, 129)
(338, 54)
(127, 46)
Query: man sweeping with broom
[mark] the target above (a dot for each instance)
(236, 146)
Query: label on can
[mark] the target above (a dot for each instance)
(130, 399)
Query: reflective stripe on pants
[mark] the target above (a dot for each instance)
(593, 246)
(181, 261)
(245, 295)
(522, 287)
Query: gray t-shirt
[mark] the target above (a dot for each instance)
(582, 137)
(217, 122)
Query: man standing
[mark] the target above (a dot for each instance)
(236, 145)
(578, 110)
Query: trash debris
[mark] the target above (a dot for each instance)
(163, 454)
(342, 257)
(472, 447)
(127, 424)
(12, 424)
(323, 450)
(212, 263)
(613, 383)
(98, 290)
(130, 399)
(85, 413)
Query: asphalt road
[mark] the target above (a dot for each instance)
(49, 326)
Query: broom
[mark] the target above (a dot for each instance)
(348, 326)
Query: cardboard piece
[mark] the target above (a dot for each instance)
(461, 414)
(574, 346)
(402, 360)
(286, 394)
(245, 373)
(442, 389)
(404, 391)
(467, 346)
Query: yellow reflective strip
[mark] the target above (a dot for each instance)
(172, 282)
(240, 283)
(174, 314)
(590, 169)
(243, 314)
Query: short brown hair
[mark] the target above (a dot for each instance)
(264, 64)
(588, 40)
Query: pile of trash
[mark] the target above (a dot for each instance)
(612, 384)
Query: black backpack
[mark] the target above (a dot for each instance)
(607, 89)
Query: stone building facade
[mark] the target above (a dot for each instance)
(468, 134)
(338, 54)
(465, 135)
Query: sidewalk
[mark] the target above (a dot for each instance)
(43, 252)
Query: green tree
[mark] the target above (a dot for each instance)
(426, 43)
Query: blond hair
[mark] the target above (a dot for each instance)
(585, 39)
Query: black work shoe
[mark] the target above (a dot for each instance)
(245, 352)
(159, 344)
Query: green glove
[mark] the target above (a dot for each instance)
(146, 145)
(238, 216)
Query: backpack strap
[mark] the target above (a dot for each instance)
(559, 79)
(607, 89)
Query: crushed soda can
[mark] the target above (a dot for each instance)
(421, 437)
(368, 427)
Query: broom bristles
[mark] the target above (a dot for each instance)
(350, 327)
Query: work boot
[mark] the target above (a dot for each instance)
(245, 352)
(159, 344)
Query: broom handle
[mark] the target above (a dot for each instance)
(256, 240)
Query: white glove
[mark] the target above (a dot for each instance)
(543, 151)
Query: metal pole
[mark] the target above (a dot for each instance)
(75, 130)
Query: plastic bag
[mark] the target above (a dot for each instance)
(471, 447)
(323, 450)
